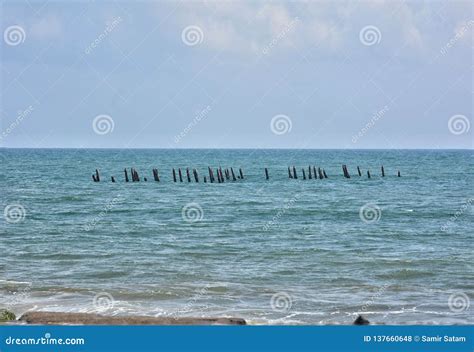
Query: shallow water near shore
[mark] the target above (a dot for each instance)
(280, 251)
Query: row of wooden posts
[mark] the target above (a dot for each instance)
(230, 175)
(222, 175)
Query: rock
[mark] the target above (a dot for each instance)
(6, 315)
(53, 318)
(361, 321)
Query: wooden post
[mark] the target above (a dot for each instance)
(180, 175)
(383, 171)
(241, 174)
(205, 179)
(233, 175)
(304, 174)
(112, 178)
(221, 174)
(295, 176)
(218, 176)
(195, 173)
(227, 174)
(97, 177)
(266, 173)
(137, 177)
(174, 175)
(145, 179)
(320, 172)
(324, 173)
(309, 173)
(314, 173)
(358, 171)
(399, 173)
(368, 174)
(93, 177)
(188, 176)
(126, 174)
(289, 173)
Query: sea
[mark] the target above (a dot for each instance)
(397, 250)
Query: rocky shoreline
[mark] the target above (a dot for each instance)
(58, 318)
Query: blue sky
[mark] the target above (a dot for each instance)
(321, 74)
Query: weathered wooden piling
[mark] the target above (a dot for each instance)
(304, 174)
(289, 173)
(211, 176)
(218, 176)
(320, 172)
(358, 171)
(241, 174)
(324, 173)
(188, 176)
(196, 177)
(126, 174)
(93, 178)
(368, 174)
(145, 179)
(383, 171)
(266, 174)
(399, 173)
(221, 175)
(295, 176)
(180, 175)
(205, 179)
(112, 179)
(233, 175)
(346, 172)
(309, 172)
(156, 177)
(97, 176)
(174, 175)
(315, 173)
(227, 174)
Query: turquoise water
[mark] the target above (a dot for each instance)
(280, 251)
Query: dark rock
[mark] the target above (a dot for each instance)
(361, 321)
(53, 318)
(6, 315)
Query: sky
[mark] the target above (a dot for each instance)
(236, 74)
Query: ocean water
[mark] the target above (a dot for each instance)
(282, 251)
